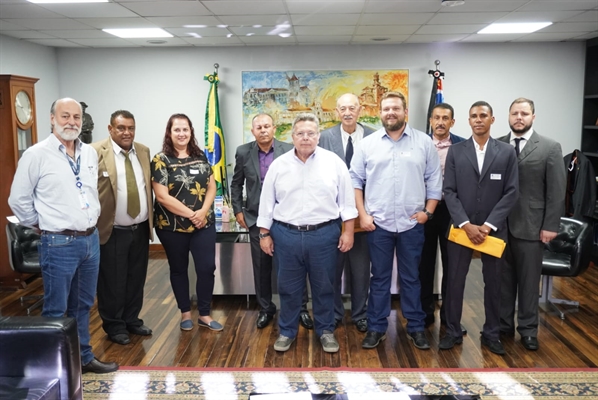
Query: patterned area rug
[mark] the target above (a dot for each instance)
(224, 384)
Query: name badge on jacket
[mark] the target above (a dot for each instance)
(495, 177)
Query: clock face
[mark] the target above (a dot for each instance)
(23, 107)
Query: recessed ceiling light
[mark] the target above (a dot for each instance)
(195, 35)
(195, 26)
(285, 35)
(452, 3)
(257, 26)
(222, 26)
(138, 33)
(250, 34)
(229, 35)
(66, 1)
(156, 41)
(380, 39)
(524, 27)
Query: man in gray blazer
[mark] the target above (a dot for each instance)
(533, 221)
(481, 186)
(252, 161)
(341, 139)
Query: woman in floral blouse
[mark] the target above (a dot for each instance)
(184, 187)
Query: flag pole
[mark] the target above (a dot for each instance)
(436, 74)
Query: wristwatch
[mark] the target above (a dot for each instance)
(429, 214)
(264, 235)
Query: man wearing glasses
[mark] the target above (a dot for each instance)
(125, 226)
(305, 195)
(404, 183)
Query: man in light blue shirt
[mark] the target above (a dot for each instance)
(404, 184)
(55, 189)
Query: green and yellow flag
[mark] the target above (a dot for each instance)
(215, 150)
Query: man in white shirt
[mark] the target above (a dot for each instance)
(305, 195)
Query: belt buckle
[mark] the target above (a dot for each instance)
(134, 227)
(303, 228)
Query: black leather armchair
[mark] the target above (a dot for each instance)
(23, 256)
(39, 359)
(569, 254)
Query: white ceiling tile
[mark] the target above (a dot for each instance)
(90, 10)
(587, 36)
(387, 30)
(487, 6)
(325, 7)
(167, 8)
(466, 18)
(55, 42)
(324, 30)
(264, 30)
(246, 7)
(79, 34)
(170, 42)
(51, 23)
(28, 35)
(267, 40)
(588, 16)
(493, 38)
(116, 42)
(324, 39)
(402, 6)
(27, 10)
(177, 22)
(370, 39)
(116, 23)
(547, 37)
(203, 32)
(396, 19)
(450, 29)
(220, 41)
(11, 26)
(571, 27)
(244, 20)
(537, 16)
(561, 5)
(323, 19)
(434, 38)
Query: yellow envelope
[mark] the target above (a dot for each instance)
(492, 245)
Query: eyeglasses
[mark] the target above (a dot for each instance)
(309, 134)
(123, 129)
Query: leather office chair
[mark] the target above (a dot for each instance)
(22, 251)
(569, 255)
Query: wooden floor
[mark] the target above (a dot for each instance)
(568, 343)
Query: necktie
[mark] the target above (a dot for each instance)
(517, 144)
(133, 207)
(349, 152)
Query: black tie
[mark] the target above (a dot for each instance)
(349, 152)
(517, 142)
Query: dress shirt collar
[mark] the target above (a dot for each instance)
(441, 144)
(117, 149)
(527, 136)
(356, 136)
(478, 147)
(57, 143)
(407, 131)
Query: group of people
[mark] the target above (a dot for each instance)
(94, 208)
(418, 185)
(347, 199)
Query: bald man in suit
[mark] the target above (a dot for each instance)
(341, 139)
(124, 238)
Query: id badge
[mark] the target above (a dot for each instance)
(83, 200)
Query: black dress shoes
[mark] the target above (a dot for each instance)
(463, 329)
(306, 320)
(263, 320)
(120, 338)
(494, 346)
(99, 367)
(362, 325)
(530, 342)
(448, 342)
(419, 340)
(373, 339)
(140, 330)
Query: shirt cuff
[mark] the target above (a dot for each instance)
(494, 228)
(463, 223)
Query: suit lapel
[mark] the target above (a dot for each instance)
(491, 153)
(337, 142)
(255, 161)
(470, 153)
(110, 162)
(530, 146)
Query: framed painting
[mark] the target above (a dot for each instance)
(284, 94)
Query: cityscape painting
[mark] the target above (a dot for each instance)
(284, 94)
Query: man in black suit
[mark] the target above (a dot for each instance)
(341, 139)
(481, 186)
(533, 221)
(252, 161)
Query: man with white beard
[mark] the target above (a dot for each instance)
(55, 190)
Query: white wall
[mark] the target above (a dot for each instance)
(19, 57)
(155, 83)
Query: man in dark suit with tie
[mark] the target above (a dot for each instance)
(252, 161)
(341, 139)
(481, 186)
(125, 227)
(533, 221)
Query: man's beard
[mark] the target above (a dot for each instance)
(68, 136)
(520, 131)
(393, 127)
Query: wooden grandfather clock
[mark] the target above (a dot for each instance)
(18, 131)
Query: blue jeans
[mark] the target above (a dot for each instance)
(300, 253)
(408, 246)
(70, 266)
